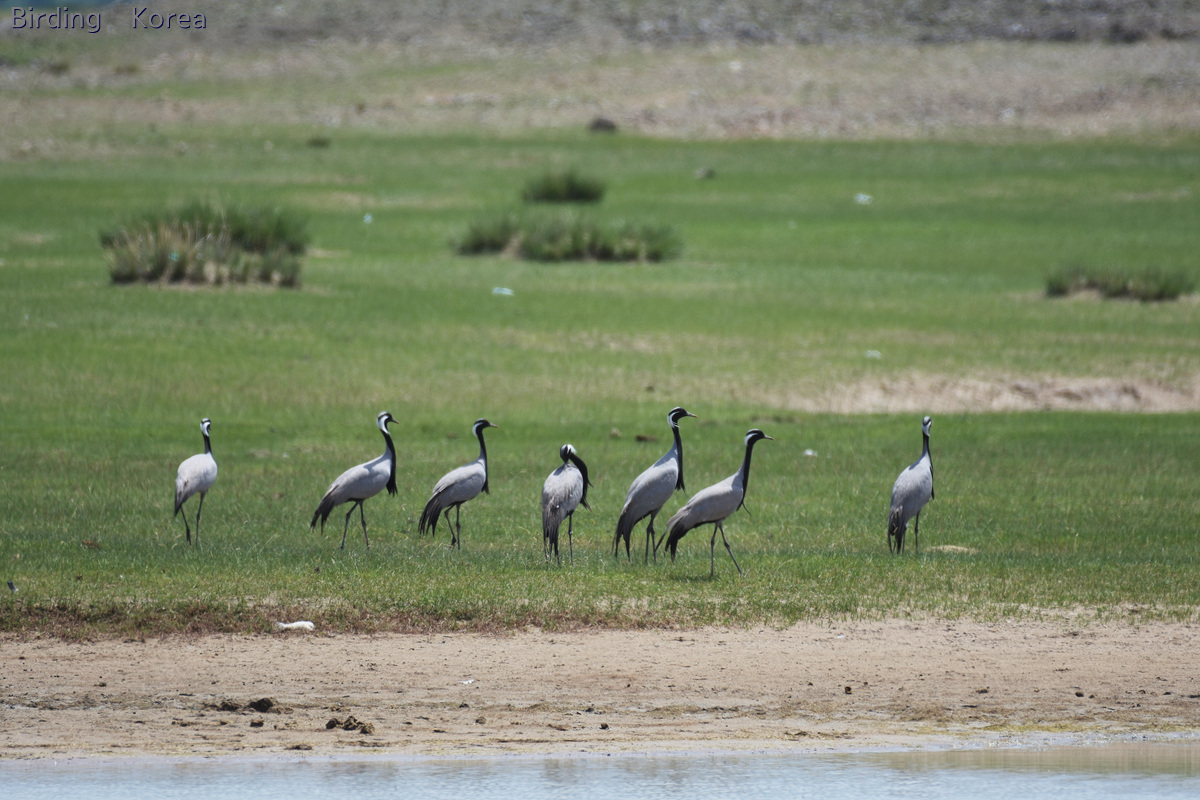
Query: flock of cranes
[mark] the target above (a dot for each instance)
(565, 489)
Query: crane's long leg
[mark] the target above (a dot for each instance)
(362, 515)
(198, 509)
(187, 528)
(916, 532)
(458, 523)
(650, 538)
(729, 550)
(347, 525)
(570, 538)
(712, 552)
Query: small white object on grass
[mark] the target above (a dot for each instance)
(863, 199)
(502, 291)
(302, 625)
(368, 219)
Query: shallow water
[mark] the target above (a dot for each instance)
(1124, 771)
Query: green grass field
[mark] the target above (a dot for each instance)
(784, 285)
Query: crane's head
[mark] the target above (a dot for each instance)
(567, 453)
(926, 424)
(480, 424)
(383, 419)
(205, 425)
(754, 434)
(677, 413)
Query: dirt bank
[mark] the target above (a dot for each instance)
(806, 688)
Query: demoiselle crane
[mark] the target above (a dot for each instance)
(196, 475)
(912, 490)
(564, 491)
(714, 504)
(651, 490)
(360, 483)
(457, 487)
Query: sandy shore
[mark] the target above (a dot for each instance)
(807, 688)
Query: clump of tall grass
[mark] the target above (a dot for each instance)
(1146, 285)
(569, 238)
(579, 239)
(563, 187)
(201, 243)
(488, 235)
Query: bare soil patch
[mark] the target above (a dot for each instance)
(946, 394)
(855, 70)
(810, 687)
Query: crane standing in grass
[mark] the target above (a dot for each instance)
(650, 491)
(564, 491)
(196, 475)
(912, 490)
(360, 483)
(457, 487)
(714, 504)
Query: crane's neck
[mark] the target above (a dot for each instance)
(925, 451)
(678, 455)
(583, 472)
(207, 444)
(745, 472)
(391, 455)
(483, 457)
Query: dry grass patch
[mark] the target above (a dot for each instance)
(910, 394)
(980, 90)
(203, 244)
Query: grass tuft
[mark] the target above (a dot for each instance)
(569, 237)
(563, 187)
(488, 235)
(1147, 285)
(201, 243)
(573, 238)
